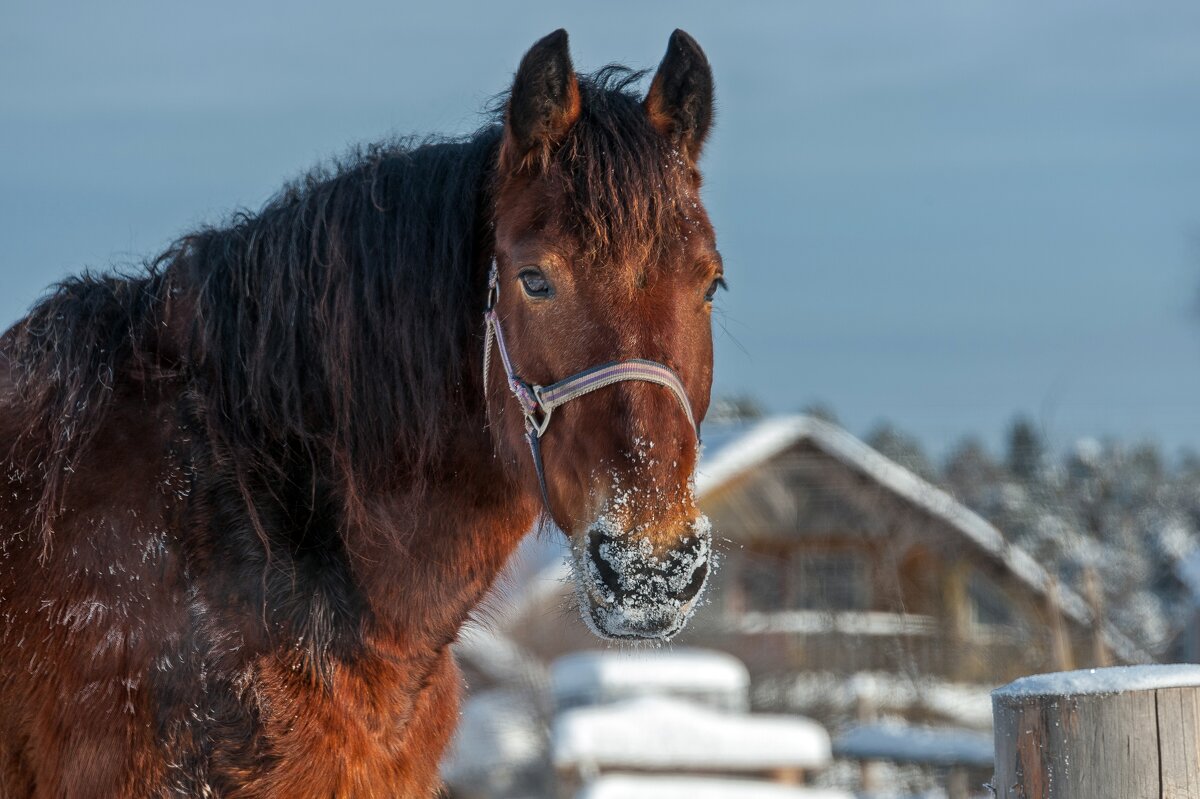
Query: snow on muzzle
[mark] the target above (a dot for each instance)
(628, 590)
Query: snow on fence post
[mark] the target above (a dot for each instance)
(1118, 733)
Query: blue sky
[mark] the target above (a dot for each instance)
(939, 213)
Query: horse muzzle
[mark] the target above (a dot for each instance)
(631, 589)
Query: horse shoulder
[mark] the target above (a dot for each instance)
(86, 605)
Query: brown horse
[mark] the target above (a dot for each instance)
(251, 493)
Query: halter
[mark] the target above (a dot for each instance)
(538, 402)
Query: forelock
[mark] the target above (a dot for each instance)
(628, 193)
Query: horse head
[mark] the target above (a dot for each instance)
(604, 255)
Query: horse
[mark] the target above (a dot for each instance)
(253, 487)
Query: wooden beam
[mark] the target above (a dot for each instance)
(1095, 599)
(1062, 658)
(957, 612)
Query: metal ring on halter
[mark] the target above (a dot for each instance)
(533, 423)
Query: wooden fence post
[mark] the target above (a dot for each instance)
(1120, 733)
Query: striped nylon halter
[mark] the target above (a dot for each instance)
(538, 402)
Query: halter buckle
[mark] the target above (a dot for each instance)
(532, 422)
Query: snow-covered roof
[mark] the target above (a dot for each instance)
(601, 676)
(1103, 681)
(902, 743)
(628, 786)
(738, 451)
(663, 733)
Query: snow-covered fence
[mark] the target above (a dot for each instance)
(1119, 733)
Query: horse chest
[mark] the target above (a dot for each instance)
(376, 729)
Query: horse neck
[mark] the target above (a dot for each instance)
(429, 552)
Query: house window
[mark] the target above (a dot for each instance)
(804, 580)
(830, 581)
(990, 607)
(763, 579)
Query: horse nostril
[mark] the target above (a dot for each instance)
(695, 584)
(691, 544)
(604, 568)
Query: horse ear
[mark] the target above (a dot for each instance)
(544, 102)
(680, 100)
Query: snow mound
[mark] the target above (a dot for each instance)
(705, 676)
(659, 733)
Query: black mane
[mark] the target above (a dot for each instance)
(335, 322)
(337, 319)
(332, 322)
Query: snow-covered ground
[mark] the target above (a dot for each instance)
(677, 719)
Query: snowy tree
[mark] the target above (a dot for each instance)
(1025, 450)
(903, 449)
(822, 411)
(970, 471)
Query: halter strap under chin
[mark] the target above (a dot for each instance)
(538, 402)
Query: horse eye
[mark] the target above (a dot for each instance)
(719, 283)
(535, 283)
